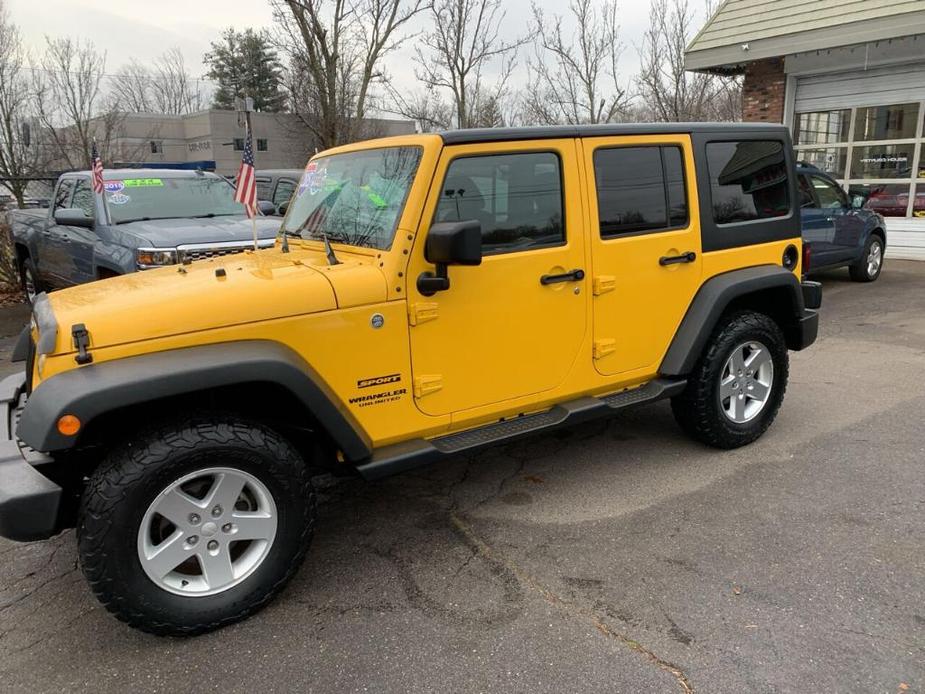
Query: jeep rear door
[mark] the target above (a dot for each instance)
(645, 246)
(512, 326)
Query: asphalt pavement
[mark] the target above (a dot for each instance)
(613, 557)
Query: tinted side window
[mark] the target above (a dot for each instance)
(283, 193)
(639, 189)
(264, 188)
(830, 196)
(806, 193)
(516, 197)
(83, 197)
(63, 196)
(674, 182)
(748, 180)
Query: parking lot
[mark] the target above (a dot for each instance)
(617, 556)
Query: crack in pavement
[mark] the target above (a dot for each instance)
(570, 608)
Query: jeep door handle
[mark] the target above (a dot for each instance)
(573, 276)
(688, 257)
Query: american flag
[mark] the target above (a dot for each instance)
(245, 191)
(97, 167)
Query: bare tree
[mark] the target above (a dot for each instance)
(21, 155)
(131, 88)
(173, 89)
(426, 108)
(337, 49)
(464, 42)
(70, 105)
(165, 88)
(574, 78)
(669, 92)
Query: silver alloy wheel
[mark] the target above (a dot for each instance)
(746, 382)
(874, 259)
(29, 282)
(207, 532)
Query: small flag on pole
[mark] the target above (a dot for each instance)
(97, 167)
(245, 191)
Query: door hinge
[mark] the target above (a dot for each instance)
(604, 347)
(603, 284)
(422, 312)
(425, 385)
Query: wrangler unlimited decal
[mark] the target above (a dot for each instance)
(378, 398)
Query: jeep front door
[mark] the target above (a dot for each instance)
(645, 247)
(512, 326)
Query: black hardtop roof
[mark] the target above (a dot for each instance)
(461, 137)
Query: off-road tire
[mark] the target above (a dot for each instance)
(27, 267)
(698, 408)
(859, 271)
(135, 472)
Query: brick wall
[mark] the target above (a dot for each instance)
(763, 91)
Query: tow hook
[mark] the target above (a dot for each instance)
(81, 337)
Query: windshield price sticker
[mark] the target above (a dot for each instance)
(143, 183)
(113, 186)
(313, 179)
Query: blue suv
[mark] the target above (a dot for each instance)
(838, 232)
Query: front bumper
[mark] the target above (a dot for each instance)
(29, 501)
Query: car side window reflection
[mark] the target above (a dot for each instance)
(517, 198)
(830, 196)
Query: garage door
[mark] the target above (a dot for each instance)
(895, 84)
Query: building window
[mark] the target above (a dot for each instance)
(261, 144)
(876, 152)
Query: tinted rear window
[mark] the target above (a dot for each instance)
(748, 180)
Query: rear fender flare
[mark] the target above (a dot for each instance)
(712, 300)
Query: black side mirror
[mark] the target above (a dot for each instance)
(267, 208)
(282, 209)
(857, 201)
(73, 217)
(449, 243)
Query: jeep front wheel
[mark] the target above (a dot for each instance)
(737, 386)
(196, 525)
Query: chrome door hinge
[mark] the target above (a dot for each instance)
(422, 312)
(603, 284)
(425, 385)
(604, 347)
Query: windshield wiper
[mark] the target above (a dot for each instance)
(209, 215)
(133, 219)
(328, 249)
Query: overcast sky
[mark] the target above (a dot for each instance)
(144, 30)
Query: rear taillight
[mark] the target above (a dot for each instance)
(807, 254)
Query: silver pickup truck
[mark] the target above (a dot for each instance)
(151, 218)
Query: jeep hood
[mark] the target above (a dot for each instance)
(243, 288)
(170, 233)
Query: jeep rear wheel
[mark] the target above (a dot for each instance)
(195, 525)
(737, 386)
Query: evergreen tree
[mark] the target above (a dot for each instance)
(245, 64)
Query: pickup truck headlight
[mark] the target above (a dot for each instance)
(147, 258)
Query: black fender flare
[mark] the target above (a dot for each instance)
(713, 299)
(90, 391)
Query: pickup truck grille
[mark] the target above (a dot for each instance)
(217, 250)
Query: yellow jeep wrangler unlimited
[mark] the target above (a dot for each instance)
(431, 294)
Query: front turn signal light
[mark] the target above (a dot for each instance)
(68, 425)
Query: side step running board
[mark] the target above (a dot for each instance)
(408, 455)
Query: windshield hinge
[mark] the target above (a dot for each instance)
(81, 337)
(421, 312)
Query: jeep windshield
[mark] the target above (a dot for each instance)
(135, 199)
(354, 198)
